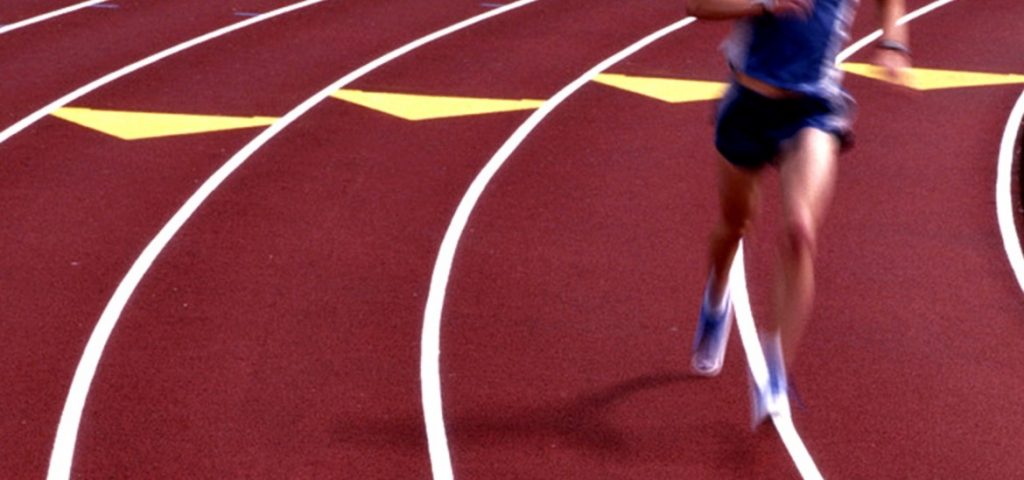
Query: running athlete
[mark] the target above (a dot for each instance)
(784, 109)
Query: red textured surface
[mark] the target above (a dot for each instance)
(13, 11)
(45, 61)
(278, 335)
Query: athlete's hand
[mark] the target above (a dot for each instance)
(801, 8)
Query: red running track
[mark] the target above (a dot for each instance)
(15, 11)
(44, 61)
(278, 335)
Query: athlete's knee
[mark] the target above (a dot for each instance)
(799, 238)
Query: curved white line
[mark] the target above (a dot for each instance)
(47, 16)
(741, 301)
(67, 431)
(430, 361)
(430, 370)
(759, 369)
(1004, 191)
(126, 70)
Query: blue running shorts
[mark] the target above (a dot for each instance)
(751, 128)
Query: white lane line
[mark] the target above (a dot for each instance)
(430, 367)
(430, 371)
(744, 316)
(430, 361)
(67, 431)
(1004, 191)
(128, 69)
(47, 16)
(759, 369)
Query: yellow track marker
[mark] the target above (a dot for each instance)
(669, 90)
(931, 79)
(141, 125)
(428, 107)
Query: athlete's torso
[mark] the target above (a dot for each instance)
(792, 52)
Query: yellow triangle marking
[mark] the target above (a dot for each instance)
(139, 125)
(669, 90)
(428, 107)
(931, 79)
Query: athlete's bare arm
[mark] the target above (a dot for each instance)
(894, 51)
(889, 13)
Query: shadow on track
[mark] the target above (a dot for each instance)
(587, 424)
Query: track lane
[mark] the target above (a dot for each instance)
(61, 248)
(14, 11)
(51, 59)
(1008, 196)
(388, 242)
(701, 63)
(570, 416)
(598, 402)
(93, 203)
(14, 23)
(168, 232)
(556, 337)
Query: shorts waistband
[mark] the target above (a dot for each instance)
(764, 89)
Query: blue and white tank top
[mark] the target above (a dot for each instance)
(793, 52)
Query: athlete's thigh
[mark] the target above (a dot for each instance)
(739, 193)
(807, 174)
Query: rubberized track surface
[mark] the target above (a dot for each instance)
(278, 334)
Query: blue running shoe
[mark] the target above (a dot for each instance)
(711, 338)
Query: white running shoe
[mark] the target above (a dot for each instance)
(711, 338)
(771, 399)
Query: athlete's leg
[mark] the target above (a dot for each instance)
(739, 197)
(807, 176)
(738, 190)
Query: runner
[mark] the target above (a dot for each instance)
(787, 110)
